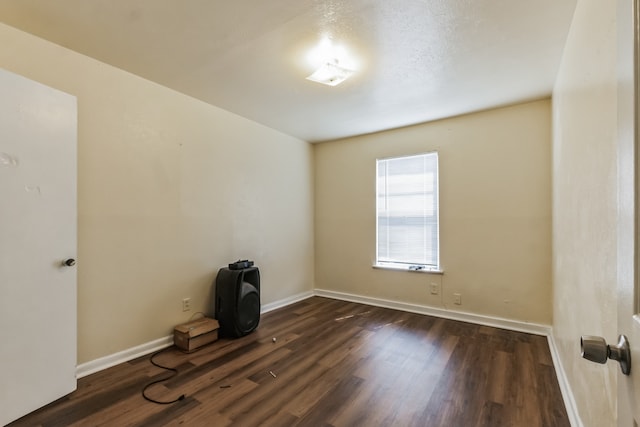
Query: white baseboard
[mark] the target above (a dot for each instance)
(533, 328)
(496, 322)
(286, 301)
(563, 382)
(105, 362)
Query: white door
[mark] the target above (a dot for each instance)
(628, 212)
(38, 137)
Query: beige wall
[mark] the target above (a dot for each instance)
(169, 189)
(495, 196)
(584, 206)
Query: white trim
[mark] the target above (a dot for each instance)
(398, 267)
(533, 328)
(563, 382)
(496, 322)
(105, 362)
(286, 301)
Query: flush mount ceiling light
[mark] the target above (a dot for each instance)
(330, 73)
(332, 63)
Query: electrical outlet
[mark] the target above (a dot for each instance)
(435, 289)
(457, 299)
(186, 304)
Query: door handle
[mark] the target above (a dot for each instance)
(596, 350)
(69, 262)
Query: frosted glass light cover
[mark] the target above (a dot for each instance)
(330, 74)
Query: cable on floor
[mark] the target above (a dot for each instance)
(174, 372)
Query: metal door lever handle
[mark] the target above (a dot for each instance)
(595, 349)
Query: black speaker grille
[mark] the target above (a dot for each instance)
(248, 311)
(237, 304)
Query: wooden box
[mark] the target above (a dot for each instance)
(193, 335)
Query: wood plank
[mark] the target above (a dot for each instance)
(336, 364)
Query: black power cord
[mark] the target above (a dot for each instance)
(174, 372)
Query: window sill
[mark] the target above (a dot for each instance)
(398, 268)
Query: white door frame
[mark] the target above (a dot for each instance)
(627, 257)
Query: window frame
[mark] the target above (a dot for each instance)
(408, 266)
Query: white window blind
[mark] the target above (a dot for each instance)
(407, 212)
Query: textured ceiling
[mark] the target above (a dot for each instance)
(418, 60)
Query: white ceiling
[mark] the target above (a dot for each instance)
(419, 60)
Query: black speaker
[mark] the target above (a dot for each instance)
(238, 301)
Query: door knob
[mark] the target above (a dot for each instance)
(596, 350)
(69, 262)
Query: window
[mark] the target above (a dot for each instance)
(407, 212)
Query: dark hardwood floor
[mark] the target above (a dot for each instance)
(334, 363)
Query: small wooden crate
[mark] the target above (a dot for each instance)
(193, 335)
